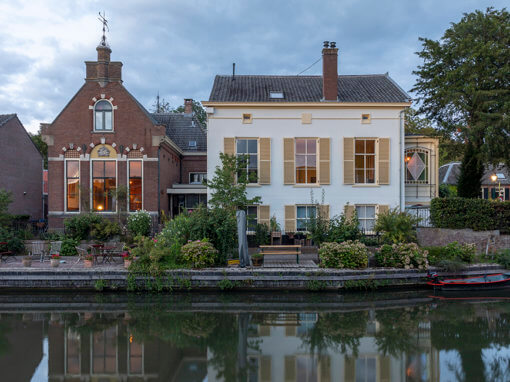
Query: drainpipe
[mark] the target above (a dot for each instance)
(402, 162)
(159, 182)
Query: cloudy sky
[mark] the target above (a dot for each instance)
(177, 47)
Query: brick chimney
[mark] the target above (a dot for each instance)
(188, 105)
(330, 71)
(103, 70)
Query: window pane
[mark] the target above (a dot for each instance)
(311, 175)
(360, 211)
(360, 146)
(300, 161)
(301, 212)
(252, 163)
(97, 169)
(370, 176)
(73, 194)
(135, 194)
(109, 190)
(98, 195)
(109, 169)
(311, 212)
(300, 146)
(191, 201)
(370, 147)
(103, 105)
(301, 225)
(252, 146)
(108, 120)
(242, 146)
(370, 212)
(359, 161)
(99, 120)
(300, 175)
(311, 146)
(135, 169)
(360, 176)
(73, 169)
(252, 176)
(311, 160)
(370, 161)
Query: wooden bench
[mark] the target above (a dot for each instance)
(281, 250)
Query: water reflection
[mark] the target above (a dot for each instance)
(432, 341)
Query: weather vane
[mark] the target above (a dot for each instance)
(105, 27)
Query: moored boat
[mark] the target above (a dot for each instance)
(486, 282)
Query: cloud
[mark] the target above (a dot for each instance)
(177, 47)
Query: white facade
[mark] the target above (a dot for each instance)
(328, 120)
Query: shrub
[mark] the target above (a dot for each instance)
(68, 247)
(477, 214)
(14, 242)
(105, 230)
(404, 255)
(261, 234)
(396, 226)
(78, 227)
(349, 254)
(503, 258)
(453, 251)
(139, 223)
(342, 229)
(199, 253)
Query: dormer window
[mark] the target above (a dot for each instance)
(276, 95)
(192, 144)
(103, 120)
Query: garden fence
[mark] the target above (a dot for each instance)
(421, 212)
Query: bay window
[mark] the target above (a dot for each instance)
(104, 182)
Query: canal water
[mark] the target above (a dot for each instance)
(374, 337)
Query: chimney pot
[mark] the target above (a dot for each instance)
(332, 44)
(326, 44)
(188, 105)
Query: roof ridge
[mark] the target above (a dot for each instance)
(300, 76)
(9, 117)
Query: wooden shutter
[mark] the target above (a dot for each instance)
(324, 211)
(325, 368)
(349, 369)
(263, 215)
(348, 160)
(290, 331)
(349, 211)
(383, 161)
(229, 146)
(290, 219)
(324, 161)
(265, 161)
(290, 368)
(265, 368)
(264, 331)
(289, 174)
(382, 209)
(385, 367)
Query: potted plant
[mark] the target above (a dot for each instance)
(27, 261)
(128, 259)
(257, 259)
(89, 260)
(55, 260)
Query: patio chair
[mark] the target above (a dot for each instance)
(111, 250)
(82, 252)
(37, 248)
(54, 248)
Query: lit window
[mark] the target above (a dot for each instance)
(251, 218)
(247, 154)
(276, 95)
(103, 185)
(306, 161)
(417, 166)
(103, 116)
(365, 160)
(304, 216)
(197, 177)
(366, 218)
(135, 185)
(72, 185)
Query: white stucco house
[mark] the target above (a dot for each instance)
(341, 136)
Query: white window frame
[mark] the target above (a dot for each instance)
(91, 183)
(66, 334)
(128, 188)
(427, 164)
(248, 231)
(258, 156)
(204, 176)
(364, 219)
(376, 155)
(306, 160)
(116, 354)
(308, 216)
(94, 117)
(65, 185)
(129, 372)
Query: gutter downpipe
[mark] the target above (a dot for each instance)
(159, 182)
(402, 162)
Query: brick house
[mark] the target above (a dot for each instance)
(21, 166)
(104, 139)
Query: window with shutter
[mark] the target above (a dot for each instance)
(288, 161)
(247, 153)
(383, 161)
(229, 146)
(265, 161)
(263, 215)
(324, 161)
(306, 160)
(348, 160)
(290, 219)
(364, 160)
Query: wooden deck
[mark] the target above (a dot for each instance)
(289, 264)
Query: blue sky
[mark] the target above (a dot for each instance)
(177, 47)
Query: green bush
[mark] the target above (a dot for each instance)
(105, 230)
(397, 226)
(262, 234)
(477, 214)
(78, 227)
(503, 258)
(454, 251)
(404, 255)
(199, 253)
(14, 242)
(68, 247)
(349, 254)
(139, 223)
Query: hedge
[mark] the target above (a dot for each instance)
(477, 214)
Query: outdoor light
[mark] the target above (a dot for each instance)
(494, 177)
(100, 208)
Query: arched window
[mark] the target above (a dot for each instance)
(417, 166)
(103, 120)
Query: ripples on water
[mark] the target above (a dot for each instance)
(255, 338)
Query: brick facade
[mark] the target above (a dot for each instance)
(20, 168)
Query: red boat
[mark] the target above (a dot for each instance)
(487, 282)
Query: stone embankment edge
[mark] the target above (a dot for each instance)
(224, 279)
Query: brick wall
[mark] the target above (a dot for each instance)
(195, 163)
(21, 169)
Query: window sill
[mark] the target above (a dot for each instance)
(102, 132)
(366, 185)
(306, 185)
(253, 185)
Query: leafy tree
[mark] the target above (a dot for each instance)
(463, 83)
(471, 172)
(161, 106)
(228, 190)
(5, 200)
(41, 146)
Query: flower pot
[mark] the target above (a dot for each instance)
(55, 263)
(27, 262)
(257, 261)
(127, 263)
(88, 263)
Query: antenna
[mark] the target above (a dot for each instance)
(157, 104)
(233, 71)
(103, 21)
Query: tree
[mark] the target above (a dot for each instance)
(471, 172)
(5, 201)
(198, 110)
(161, 106)
(228, 190)
(464, 85)
(41, 146)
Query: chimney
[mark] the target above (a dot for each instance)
(103, 60)
(188, 105)
(103, 70)
(330, 72)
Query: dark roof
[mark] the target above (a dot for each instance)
(357, 88)
(4, 118)
(182, 128)
(452, 176)
(449, 173)
(499, 169)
